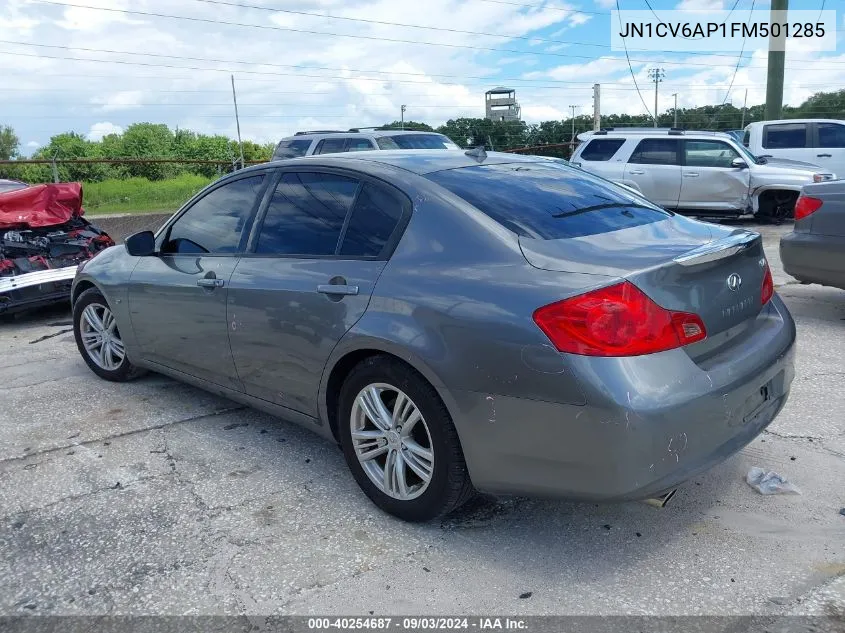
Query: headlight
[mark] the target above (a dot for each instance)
(823, 177)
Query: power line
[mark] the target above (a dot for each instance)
(630, 68)
(546, 8)
(364, 37)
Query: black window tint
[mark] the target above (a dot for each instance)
(215, 223)
(602, 148)
(291, 149)
(746, 138)
(375, 216)
(708, 154)
(548, 201)
(416, 141)
(306, 214)
(359, 145)
(785, 136)
(330, 146)
(656, 151)
(831, 134)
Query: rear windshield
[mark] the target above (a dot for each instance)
(291, 149)
(548, 201)
(415, 141)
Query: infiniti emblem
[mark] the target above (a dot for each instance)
(734, 282)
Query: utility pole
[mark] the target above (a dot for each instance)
(237, 122)
(402, 116)
(572, 139)
(596, 107)
(744, 105)
(656, 75)
(777, 61)
(675, 94)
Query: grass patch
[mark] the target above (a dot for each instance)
(139, 195)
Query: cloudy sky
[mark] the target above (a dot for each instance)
(95, 66)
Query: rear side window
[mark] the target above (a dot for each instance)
(215, 222)
(601, 148)
(831, 134)
(306, 214)
(548, 201)
(291, 149)
(331, 146)
(415, 141)
(785, 136)
(359, 145)
(375, 216)
(656, 151)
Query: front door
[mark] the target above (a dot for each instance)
(709, 180)
(307, 279)
(655, 166)
(177, 298)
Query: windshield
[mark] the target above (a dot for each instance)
(415, 141)
(548, 200)
(744, 150)
(10, 185)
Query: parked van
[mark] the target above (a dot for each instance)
(818, 141)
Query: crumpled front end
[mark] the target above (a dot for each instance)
(38, 261)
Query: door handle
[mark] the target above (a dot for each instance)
(210, 282)
(636, 172)
(824, 155)
(337, 289)
(691, 174)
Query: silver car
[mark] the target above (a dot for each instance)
(704, 173)
(358, 140)
(456, 322)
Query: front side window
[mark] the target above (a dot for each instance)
(306, 213)
(831, 134)
(331, 146)
(785, 136)
(291, 149)
(415, 141)
(656, 151)
(215, 222)
(708, 154)
(600, 149)
(375, 216)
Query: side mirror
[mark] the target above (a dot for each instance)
(739, 163)
(141, 244)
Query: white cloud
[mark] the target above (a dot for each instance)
(104, 128)
(33, 144)
(125, 100)
(701, 5)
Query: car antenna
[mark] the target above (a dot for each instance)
(477, 153)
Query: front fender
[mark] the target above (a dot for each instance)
(755, 195)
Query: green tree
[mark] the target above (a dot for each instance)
(408, 125)
(9, 143)
(149, 140)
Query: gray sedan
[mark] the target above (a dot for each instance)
(814, 252)
(456, 322)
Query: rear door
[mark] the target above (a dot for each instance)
(655, 166)
(709, 181)
(315, 256)
(788, 140)
(829, 144)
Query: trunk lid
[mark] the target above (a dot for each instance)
(682, 264)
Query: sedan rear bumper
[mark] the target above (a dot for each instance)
(812, 258)
(650, 423)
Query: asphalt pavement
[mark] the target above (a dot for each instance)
(155, 498)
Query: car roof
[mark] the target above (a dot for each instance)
(368, 134)
(417, 161)
(775, 121)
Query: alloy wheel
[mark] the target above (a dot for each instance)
(101, 337)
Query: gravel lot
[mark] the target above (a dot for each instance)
(154, 497)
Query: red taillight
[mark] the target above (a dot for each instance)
(619, 320)
(806, 205)
(768, 286)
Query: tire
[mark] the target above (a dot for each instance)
(388, 379)
(112, 363)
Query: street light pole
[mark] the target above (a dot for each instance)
(402, 122)
(675, 94)
(572, 107)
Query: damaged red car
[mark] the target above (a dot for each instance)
(43, 238)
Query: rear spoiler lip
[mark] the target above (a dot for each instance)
(718, 249)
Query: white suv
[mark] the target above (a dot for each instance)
(820, 141)
(354, 140)
(704, 173)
